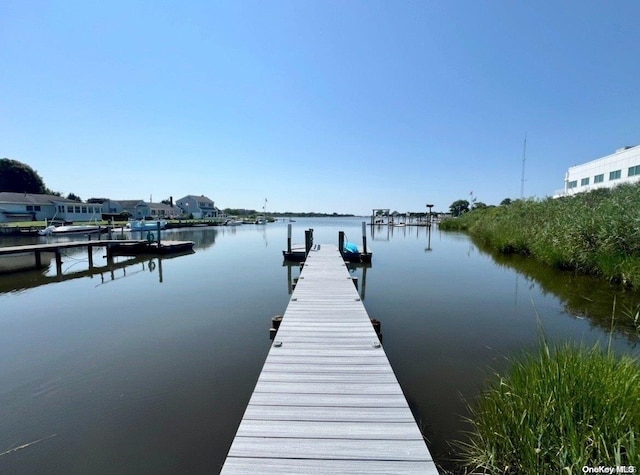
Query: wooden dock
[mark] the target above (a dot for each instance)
(327, 400)
(126, 247)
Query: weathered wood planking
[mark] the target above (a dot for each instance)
(327, 400)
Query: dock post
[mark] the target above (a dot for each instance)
(364, 237)
(289, 238)
(341, 242)
(38, 260)
(308, 240)
(158, 231)
(58, 263)
(90, 255)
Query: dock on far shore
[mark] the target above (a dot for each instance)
(327, 399)
(114, 247)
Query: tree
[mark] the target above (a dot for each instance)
(19, 177)
(479, 205)
(74, 197)
(505, 202)
(459, 207)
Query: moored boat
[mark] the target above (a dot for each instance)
(71, 229)
(145, 225)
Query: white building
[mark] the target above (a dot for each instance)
(623, 166)
(198, 206)
(38, 207)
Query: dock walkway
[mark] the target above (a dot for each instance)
(327, 400)
(124, 247)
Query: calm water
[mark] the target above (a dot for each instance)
(148, 367)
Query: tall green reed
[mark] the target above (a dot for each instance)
(556, 411)
(594, 233)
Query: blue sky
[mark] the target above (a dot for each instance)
(328, 106)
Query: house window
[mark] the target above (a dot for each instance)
(584, 182)
(573, 184)
(633, 171)
(69, 209)
(77, 209)
(29, 208)
(615, 175)
(598, 178)
(84, 209)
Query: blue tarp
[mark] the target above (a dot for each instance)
(350, 248)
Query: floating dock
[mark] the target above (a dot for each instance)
(327, 400)
(154, 248)
(350, 253)
(128, 247)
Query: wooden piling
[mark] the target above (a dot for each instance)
(364, 237)
(289, 238)
(308, 240)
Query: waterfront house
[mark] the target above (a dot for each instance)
(162, 210)
(16, 207)
(198, 206)
(623, 166)
(137, 209)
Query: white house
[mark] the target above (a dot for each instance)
(623, 166)
(138, 209)
(38, 207)
(162, 210)
(198, 206)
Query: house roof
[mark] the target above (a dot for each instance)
(32, 198)
(161, 206)
(130, 203)
(200, 198)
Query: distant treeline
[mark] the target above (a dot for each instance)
(595, 233)
(287, 214)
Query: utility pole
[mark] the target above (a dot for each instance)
(524, 158)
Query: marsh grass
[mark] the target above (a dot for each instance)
(594, 233)
(556, 411)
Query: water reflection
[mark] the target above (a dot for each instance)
(583, 296)
(77, 268)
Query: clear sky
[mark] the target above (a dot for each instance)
(328, 106)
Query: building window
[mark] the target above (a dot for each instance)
(29, 208)
(598, 178)
(633, 171)
(77, 209)
(69, 209)
(584, 182)
(615, 175)
(84, 209)
(573, 184)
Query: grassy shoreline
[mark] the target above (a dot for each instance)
(557, 411)
(594, 233)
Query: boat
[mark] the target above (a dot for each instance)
(232, 222)
(263, 220)
(71, 229)
(145, 225)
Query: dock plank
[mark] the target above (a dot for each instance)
(327, 399)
